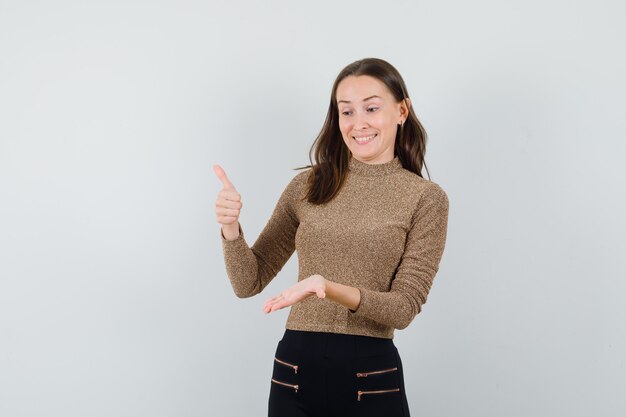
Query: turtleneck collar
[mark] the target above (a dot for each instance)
(374, 170)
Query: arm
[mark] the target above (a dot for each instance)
(345, 295)
(250, 269)
(413, 279)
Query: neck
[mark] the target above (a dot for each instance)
(374, 170)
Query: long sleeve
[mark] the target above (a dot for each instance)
(250, 269)
(417, 268)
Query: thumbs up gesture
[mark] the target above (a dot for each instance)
(227, 206)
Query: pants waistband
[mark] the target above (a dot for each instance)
(337, 344)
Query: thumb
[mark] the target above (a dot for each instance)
(221, 174)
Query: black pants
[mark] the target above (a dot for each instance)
(318, 374)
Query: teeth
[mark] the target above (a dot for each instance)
(364, 139)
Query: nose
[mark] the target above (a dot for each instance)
(361, 121)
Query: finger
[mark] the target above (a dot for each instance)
(270, 308)
(227, 211)
(275, 303)
(277, 306)
(221, 174)
(269, 302)
(228, 198)
(275, 299)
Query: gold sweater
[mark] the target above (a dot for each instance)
(383, 233)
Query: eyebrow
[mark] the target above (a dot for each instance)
(365, 99)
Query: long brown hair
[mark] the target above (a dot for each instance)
(331, 153)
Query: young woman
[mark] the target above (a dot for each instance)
(370, 233)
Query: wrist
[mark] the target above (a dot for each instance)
(345, 295)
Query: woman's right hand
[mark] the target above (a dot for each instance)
(227, 206)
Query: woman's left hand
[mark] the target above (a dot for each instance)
(315, 284)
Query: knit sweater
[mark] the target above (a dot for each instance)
(383, 233)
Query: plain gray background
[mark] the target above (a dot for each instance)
(114, 300)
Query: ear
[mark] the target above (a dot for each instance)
(405, 105)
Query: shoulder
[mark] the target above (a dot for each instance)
(297, 183)
(421, 190)
(303, 175)
(413, 182)
(300, 179)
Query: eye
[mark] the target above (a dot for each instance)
(346, 113)
(373, 109)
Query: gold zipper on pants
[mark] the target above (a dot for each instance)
(286, 384)
(363, 374)
(295, 367)
(376, 392)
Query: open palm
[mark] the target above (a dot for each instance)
(315, 284)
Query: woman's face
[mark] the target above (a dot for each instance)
(368, 118)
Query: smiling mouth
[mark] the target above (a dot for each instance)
(364, 139)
